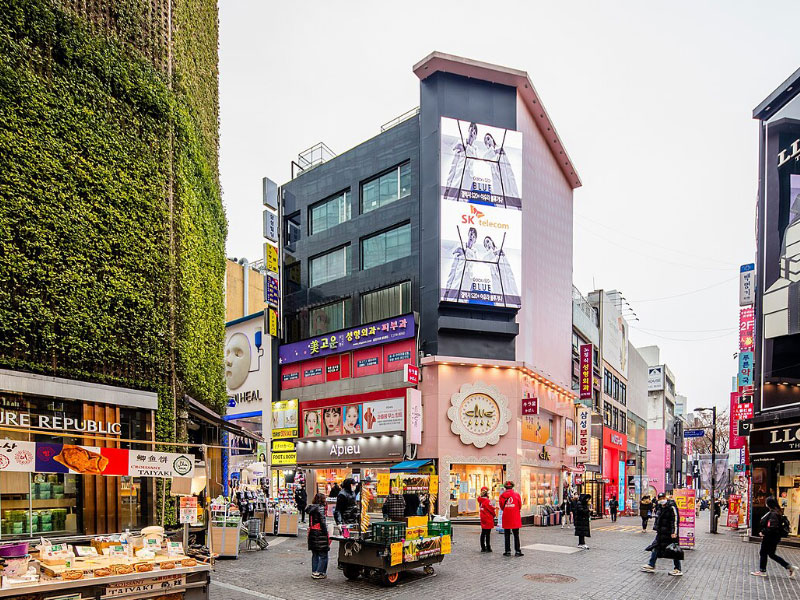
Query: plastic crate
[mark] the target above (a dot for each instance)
(387, 532)
(436, 528)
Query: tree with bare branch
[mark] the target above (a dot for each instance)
(702, 421)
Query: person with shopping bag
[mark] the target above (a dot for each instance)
(666, 543)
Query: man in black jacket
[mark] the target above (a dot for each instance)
(666, 527)
(346, 511)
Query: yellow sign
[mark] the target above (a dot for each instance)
(284, 458)
(445, 544)
(383, 484)
(279, 446)
(397, 554)
(271, 253)
(285, 433)
(433, 485)
(273, 322)
(284, 419)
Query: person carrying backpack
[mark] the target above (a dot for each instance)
(774, 526)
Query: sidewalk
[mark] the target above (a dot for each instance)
(552, 568)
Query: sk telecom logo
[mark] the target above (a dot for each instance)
(473, 214)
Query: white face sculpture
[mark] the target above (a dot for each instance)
(237, 360)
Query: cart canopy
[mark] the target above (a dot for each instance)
(410, 466)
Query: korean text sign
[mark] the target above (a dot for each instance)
(745, 369)
(739, 412)
(685, 500)
(379, 332)
(586, 371)
(584, 421)
(747, 322)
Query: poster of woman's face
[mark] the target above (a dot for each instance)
(352, 418)
(332, 420)
(312, 423)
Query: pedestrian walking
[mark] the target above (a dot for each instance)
(566, 511)
(665, 544)
(582, 515)
(488, 513)
(394, 509)
(774, 526)
(301, 499)
(511, 503)
(318, 540)
(645, 507)
(613, 505)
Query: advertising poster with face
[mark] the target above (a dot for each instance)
(312, 423)
(237, 360)
(332, 420)
(352, 418)
(480, 214)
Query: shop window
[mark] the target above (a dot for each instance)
(465, 484)
(385, 247)
(331, 317)
(789, 494)
(386, 188)
(329, 213)
(386, 303)
(330, 266)
(539, 489)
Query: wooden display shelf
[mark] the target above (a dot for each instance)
(37, 504)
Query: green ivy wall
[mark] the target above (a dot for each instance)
(112, 229)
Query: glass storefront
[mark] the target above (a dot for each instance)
(322, 480)
(538, 487)
(789, 495)
(34, 504)
(466, 482)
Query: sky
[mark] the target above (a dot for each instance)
(653, 102)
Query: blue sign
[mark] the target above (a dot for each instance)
(693, 433)
(745, 369)
(746, 268)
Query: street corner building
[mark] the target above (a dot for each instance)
(775, 432)
(111, 262)
(427, 301)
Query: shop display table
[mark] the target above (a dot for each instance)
(187, 583)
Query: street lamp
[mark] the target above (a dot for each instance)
(713, 409)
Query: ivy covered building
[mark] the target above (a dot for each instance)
(112, 236)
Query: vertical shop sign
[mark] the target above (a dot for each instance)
(586, 371)
(414, 412)
(739, 412)
(530, 406)
(584, 420)
(685, 500)
(747, 281)
(747, 322)
(745, 369)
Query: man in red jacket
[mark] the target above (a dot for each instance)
(511, 504)
(487, 519)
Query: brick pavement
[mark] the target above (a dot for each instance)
(719, 568)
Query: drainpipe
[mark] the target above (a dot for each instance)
(246, 266)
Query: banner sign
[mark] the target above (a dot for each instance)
(387, 416)
(734, 500)
(346, 340)
(739, 412)
(530, 406)
(584, 421)
(586, 371)
(655, 378)
(747, 321)
(685, 500)
(30, 457)
(745, 369)
(747, 284)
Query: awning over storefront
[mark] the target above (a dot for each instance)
(201, 411)
(409, 466)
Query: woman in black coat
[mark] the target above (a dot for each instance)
(318, 541)
(666, 527)
(582, 516)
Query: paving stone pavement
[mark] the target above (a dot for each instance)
(718, 568)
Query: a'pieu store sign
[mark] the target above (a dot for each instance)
(351, 449)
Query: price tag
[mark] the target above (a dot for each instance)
(445, 544)
(175, 549)
(433, 485)
(152, 544)
(56, 548)
(397, 554)
(116, 551)
(383, 484)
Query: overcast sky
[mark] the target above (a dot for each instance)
(654, 105)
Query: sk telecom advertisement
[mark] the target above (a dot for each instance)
(480, 214)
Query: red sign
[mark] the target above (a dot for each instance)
(411, 374)
(612, 439)
(578, 479)
(746, 326)
(738, 412)
(586, 371)
(530, 406)
(579, 468)
(733, 510)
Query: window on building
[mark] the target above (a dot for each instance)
(291, 274)
(596, 395)
(385, 303)
(607, 414)
(329, 213)
(623, 422)
(614, 418)
(642, 440)
(386, 247)
(615, 395)
(607, 382)
(576, 342)
(631, 429)
(327, 267)
(292, 229)
(596, 357)
(386, 188)
(330, 317)
(623, 394)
